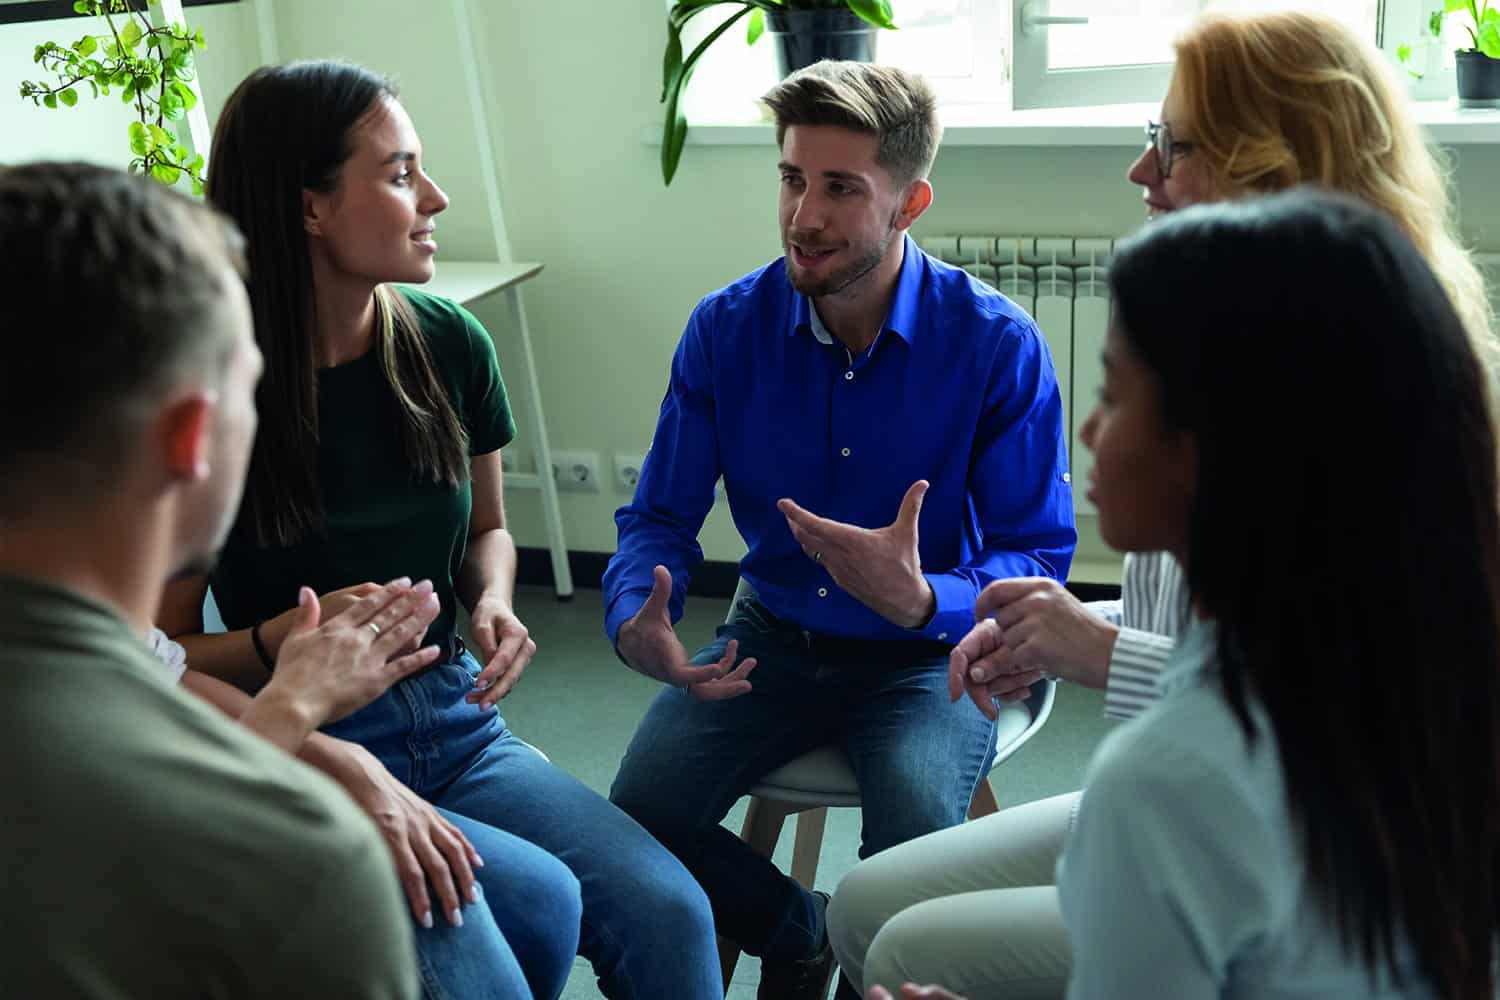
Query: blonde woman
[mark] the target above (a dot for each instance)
(1264, 103)
(1256, 104)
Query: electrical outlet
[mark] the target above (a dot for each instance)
(576, 471)
(513, 461)
(628, 472)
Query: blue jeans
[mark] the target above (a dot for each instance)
(549, 843)
(917, 756)
(476, 959)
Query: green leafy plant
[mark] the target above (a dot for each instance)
(1482, 24)
(677, 69)
(151, 67)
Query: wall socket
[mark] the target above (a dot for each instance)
(514, 460)
(628, 472)
(576, 471)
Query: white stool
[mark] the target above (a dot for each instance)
(808, 785)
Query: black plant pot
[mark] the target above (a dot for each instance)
(805, 36)
(1478, 80)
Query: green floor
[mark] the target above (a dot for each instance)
(580, 705)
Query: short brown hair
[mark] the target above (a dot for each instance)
(115, 287)
(897, 107)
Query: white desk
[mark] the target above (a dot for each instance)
(466, 282)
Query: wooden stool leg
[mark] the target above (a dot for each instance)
(808, 845)
(983, 803)
(762, 829)
(763, 822)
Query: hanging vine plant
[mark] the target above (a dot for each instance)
(151, 67)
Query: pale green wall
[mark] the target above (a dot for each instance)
(626, 258)
(572, 89)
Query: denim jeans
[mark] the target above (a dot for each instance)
(476, 960)
(917, 757)
(548, 843)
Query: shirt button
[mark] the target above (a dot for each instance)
(1067, 477)
(822, 591)
(942, 635)
(844, 452)
(849, 376)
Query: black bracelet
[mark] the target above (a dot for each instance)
(260, 648)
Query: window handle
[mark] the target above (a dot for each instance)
(1034, 21)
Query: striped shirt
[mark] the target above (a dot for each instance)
(1151, 613)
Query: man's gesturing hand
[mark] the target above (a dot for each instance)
(879, 567)
(650, 645)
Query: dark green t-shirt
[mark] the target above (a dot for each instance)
(384, 520)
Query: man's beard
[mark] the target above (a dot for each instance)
(844, 276)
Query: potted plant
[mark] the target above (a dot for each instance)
(1479, 65)
(807, 31)
(150, 65)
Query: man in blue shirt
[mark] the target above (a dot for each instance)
(849, 394)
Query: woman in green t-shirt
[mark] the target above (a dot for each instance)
(382, 418)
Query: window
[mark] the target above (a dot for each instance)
(1046, 53)
(1073, 52)
(960, 46)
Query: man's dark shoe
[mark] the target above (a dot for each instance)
(807, 979)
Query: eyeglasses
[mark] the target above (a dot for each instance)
(1168, 150)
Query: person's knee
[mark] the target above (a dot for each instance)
(567, 903)
(856, 912)
(886, 960)
(554, 901)
(679, 909)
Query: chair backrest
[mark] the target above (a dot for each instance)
(1039, 704)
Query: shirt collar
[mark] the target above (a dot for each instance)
(34, 607)
(902, 317)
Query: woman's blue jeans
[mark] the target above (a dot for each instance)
(565, 871)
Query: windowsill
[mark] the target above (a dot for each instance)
(1105, 125)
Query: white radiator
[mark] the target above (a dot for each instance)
(1061, 281)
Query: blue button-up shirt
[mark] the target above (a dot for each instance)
(958, 389)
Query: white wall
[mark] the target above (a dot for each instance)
(570, 94)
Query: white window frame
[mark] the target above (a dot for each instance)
(1034, 86)
(1010, 68)
(729, 99)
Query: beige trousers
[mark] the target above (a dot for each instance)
(973, 908)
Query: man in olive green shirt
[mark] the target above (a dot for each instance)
(150, 847)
